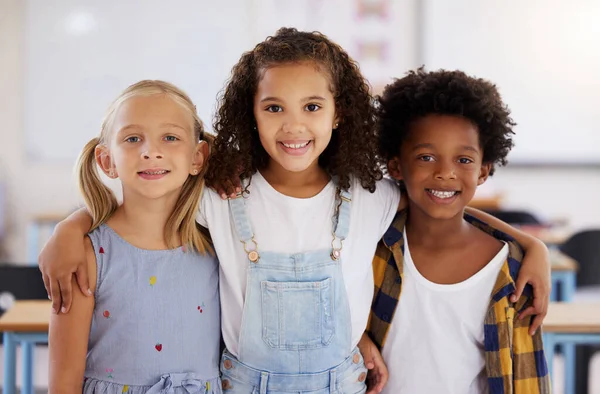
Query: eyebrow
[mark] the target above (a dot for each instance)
(470, 148)
(162, 125)
(419, 146)
(430, 146)
(310, 98)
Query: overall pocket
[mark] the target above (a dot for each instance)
(298, 315)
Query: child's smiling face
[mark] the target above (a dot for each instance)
(295, 114)
(441, 165)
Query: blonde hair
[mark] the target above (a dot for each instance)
(101, 201)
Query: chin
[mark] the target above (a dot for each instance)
(155, 193)
(443, 214)
(296, 166)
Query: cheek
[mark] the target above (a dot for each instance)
(472, 175)
(416, 172)
(325, 137)
(121, 157)
(266, 133)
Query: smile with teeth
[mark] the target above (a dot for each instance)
(157, 172)
(442, 194)
(296, 146)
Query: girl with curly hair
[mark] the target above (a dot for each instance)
(296, 122)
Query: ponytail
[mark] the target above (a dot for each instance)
(99, 199)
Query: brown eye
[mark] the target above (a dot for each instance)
(274, 108)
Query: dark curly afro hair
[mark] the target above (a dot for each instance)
(442, 92)
(353, 149)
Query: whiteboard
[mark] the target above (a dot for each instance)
(544, 57)
(80, 55)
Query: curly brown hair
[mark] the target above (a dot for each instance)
(423, 93)
(352, 151)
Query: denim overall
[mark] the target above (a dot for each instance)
(296, 324)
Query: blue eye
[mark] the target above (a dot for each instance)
(133, 139)
(274, 108)
(171, 138)
(312, 107)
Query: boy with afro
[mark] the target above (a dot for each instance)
(442, 315)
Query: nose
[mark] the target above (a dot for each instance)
(151, 151)
(445, 171)
(294, 124)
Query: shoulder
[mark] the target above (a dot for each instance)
(386, 192)
(210, 197)
(485, 242)
(210, 205)
(382, 186)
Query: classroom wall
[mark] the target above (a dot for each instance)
(31, 188)
(35, 188)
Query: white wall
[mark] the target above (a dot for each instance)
(37, 188)
(32, 189)
(544, 55)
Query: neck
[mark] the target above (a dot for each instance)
(434, 233)
(300, 184)
(144, 218)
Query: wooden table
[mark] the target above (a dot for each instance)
(569, 324)
(26, 322)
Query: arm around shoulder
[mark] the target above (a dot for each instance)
(62, 256)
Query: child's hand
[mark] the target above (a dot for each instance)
(378, 372)
(62, 256)
(229, 188)
(226, 191)
(535, 270)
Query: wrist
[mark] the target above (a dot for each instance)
(535, 245)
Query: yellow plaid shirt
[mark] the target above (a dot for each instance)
(515, 360)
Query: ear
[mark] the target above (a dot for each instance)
(394, 168)
(104, 161)
(336, 123)
(199, 158)
(484, 173)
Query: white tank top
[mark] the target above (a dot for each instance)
(435, 342)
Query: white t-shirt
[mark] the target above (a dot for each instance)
(295, 225)
(435, 342)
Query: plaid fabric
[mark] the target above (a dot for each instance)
(515, 361)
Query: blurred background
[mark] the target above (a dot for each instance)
(63, 61)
